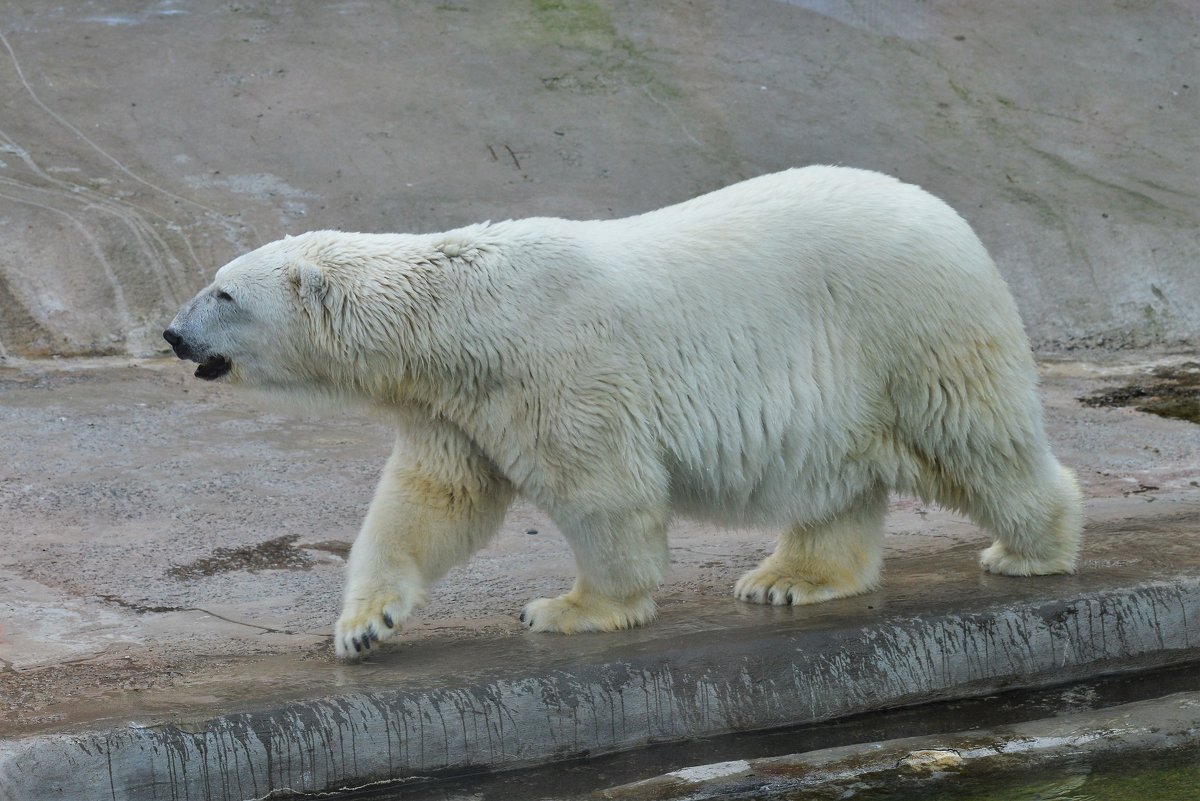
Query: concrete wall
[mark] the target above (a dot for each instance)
(141, 146)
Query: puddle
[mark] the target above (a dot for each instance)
(280, 553)
(1167, 392)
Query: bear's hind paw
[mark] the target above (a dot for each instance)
(570, 614)
(765, 585)
(369, 619)
(1000, 560)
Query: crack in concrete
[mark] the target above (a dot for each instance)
(141, 610)
(266, 629)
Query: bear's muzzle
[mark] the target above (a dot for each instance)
(211, 366)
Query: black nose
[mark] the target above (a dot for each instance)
(177, 344)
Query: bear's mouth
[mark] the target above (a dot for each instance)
(213, 368)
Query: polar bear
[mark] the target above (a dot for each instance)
(783, 352)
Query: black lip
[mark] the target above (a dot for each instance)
(213, 368)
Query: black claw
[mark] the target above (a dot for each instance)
(357, 645)
(522, 617)
(387, 621)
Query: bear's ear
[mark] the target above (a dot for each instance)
(310, 285)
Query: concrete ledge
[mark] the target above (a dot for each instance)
(638, 692)
(914, 766)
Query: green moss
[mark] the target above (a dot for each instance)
(597, 58)
(1152, 777)
(1168, 784)
(575, 24)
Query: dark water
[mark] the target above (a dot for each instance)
(1157, 777)
(580, 777)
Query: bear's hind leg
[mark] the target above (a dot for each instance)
(621, 558)
(1037, 523)
(814, 562)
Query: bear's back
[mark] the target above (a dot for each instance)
(770, 324)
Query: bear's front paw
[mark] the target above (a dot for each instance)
(371, 616)
(571, 613)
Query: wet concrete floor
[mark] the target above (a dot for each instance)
(173, 557)
(167, 538)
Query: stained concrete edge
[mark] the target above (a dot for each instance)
(758, 679)
(908, 766)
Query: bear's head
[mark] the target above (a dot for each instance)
(246, 324)
(338, 315)
(279, 317)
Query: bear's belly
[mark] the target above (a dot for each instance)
(770, 492)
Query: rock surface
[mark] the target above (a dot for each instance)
(144, 144)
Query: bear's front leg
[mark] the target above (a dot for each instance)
(621, 557)
(438, 501)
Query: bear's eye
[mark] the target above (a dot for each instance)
(225, 296)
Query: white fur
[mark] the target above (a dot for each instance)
(782, 352)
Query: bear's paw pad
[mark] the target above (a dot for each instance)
(367, 619)
(766, 585)
(570, 615)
